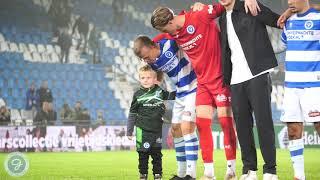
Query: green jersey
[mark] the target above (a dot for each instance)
(147, 109)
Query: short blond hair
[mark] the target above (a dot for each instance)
(161, 17)
(140, 42)
(148, 68)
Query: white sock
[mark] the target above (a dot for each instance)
(231, 166)
(191, 147)
(179, 145)
(296, 151)
(208, 169)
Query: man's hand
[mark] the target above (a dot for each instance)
(198, 6)
(252, 6)
(283, 18)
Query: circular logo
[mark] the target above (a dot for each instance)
(146, 145)
(308, 24)
(168, 54)
(16, 164)
(190, 29)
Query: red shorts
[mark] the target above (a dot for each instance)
(213, 94)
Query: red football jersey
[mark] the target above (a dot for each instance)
(199, 39)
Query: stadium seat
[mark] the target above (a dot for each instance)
(57, 49)
(32, 48)
(27, 56)
(49, 49)
(55, 58)
(4, 47)
(36, 57)
(23, 47)
(2, 39)
(122, 51)
(41, 48)
(45, 58)
(13, 47)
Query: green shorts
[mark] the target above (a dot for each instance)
(146, 140)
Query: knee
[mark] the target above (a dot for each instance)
(175, 128)
(224, 112)
(204, 111)
(317, 127)
(294, 131)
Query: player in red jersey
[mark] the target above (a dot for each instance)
(198, 35)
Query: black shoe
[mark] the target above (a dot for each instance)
(188, 177)
(175, 177)
(143, 176)
(157, 177)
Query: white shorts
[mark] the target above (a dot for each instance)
(182, 105)
(301, 105)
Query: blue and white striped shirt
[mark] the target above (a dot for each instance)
(176, 65)
(302, 38)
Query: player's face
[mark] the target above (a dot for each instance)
(170, 28)
(226, 2)
(296, 6)
(148, 54)
(148, 79)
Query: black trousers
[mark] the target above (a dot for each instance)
(155, 153)
(248, 98)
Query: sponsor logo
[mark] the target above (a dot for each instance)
(192, 43)
(308, 24)
(16, 164)
(190, 29)
(146, 145)
(314, 113)
(210, 9)
(159, 140)
(222, 98)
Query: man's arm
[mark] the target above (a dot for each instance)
(216, 9)
(288, 13)
(132, 116)
(267, 16)
(158, 37)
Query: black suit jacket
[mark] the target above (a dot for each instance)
(254, 39)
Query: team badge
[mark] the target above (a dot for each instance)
(190, 29)
(168, 54)
(308, 24)
(146, 145)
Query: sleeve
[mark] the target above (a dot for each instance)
(267, 17)
(132, 116)
(158, 37)
(284, 36)
(169, 95)
(212, 11)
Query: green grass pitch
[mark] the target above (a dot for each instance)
(122, 165)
